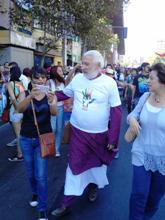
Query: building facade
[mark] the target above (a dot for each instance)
(20, 44)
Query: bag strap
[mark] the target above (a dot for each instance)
(35, 118)
(145, 102)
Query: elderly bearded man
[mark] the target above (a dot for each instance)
(94, 141)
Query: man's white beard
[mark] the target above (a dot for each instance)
(91, 75)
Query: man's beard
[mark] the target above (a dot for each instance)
(90, 75)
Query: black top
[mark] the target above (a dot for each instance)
(42, 109)
(141, 83)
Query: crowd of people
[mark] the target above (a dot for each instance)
(94, 109)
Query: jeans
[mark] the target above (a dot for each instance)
(36, 169)
(147, 190)
(57, 123)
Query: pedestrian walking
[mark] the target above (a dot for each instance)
(140, 83)
(45, 106)
(148, 151)
(57, 83)
(129, 89)
(15, 88)
(92, 145)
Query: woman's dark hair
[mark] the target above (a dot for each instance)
(109, 64)
(160, 69)
(54, 75)
(27, 72)
(13, 63)
(38, 71)
(144, 65)
(15, 73)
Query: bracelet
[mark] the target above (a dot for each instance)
(52, 103)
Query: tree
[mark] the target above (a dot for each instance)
(88, 19)
(48, 15)
(92, 21)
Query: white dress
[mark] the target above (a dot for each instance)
(75, 184)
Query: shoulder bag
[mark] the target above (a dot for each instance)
(47, 140)
(130, 135)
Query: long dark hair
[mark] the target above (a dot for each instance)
(54, 75)
(15, 73)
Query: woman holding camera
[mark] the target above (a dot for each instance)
(148, 152)
(45, 106)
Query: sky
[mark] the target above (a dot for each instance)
(145, 20)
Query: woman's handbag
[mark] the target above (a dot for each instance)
(130, 134)
(47, 141)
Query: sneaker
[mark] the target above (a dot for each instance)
(34, 201)
(15, 159)
(42, 216)
(13, 143)
(60, 211)
(92, 194)
(58, 154)
(117, 155)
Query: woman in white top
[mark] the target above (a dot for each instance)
(148, 151)
(57, 83)
(15, 88)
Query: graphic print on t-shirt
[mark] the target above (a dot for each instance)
(143, 84)
(87, 98)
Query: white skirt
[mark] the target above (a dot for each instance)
(75, 184)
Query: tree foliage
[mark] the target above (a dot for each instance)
(92, 21)
(88, 19)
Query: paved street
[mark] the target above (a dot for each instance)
(112, 203)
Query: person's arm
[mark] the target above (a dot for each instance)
(52, 101)
(114, 128)
(71, 74)
(25, 101)
(11, 94)
(68, 91)
(126, 90)
(61, 96)
(134, 85)
(133, 88)
(115, 117)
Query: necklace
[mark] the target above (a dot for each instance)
(157, 99)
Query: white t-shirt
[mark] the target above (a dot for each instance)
(24, 81)
(55, 87)
(92, 102)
